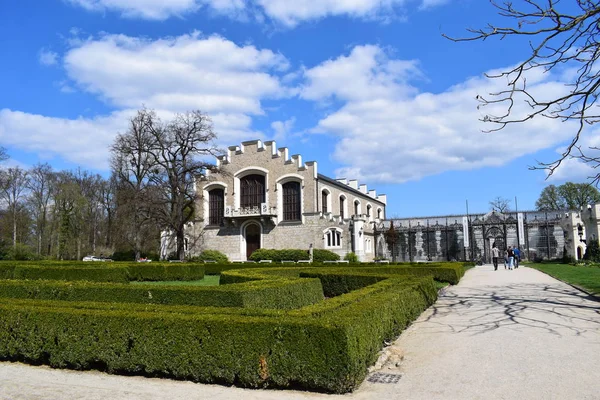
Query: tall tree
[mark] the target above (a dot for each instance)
(132, 163)
(550, 200)
(561, 35)
(176, 152)
(41, 181)
(571, 196)
(500, 204)
(13, 185)
(578, 195)
(157, 163)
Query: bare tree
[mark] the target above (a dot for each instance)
(560, 34)
(131, 165)
(41, 182)
(177, 147)
(13, 185)
(500, 204)
(157, 163)
(3, 154)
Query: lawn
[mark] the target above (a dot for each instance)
(587, 278)
(209, 280)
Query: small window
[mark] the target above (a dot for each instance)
(369, 211)
(357, 207)
(324, 201)
(333, 238)
(379, 213)
(342, 206)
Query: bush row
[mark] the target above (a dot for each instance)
(283, 294)
(326, 346)
(319, 255)
(104, 273)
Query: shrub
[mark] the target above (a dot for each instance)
(20, 252)
(592, 252)
(320, 255)
(279, 255)
(214, 255)
(351, 257)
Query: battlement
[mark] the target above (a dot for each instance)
(269, 148)
(353, 183)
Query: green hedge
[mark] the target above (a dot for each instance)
(104, 273)
(326, 346)
(68, 273)
(165, 272)
(283, 294)
(279, 255)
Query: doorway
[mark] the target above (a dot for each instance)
(252, 239)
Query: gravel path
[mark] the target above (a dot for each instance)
(497, 335)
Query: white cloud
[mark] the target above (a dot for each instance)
(82, 141)
(182, 73)
(285, 12)
(157, 9)
(188, 72)
(47, 57)
(282, 128)
(390, 133)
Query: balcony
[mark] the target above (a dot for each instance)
(263, 211)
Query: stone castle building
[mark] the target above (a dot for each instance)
(261, 197)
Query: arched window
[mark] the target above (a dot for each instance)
(216, 206)
(252, 190)
(379, 213)
(291, 201)
(333, 238)
(324, 201)
(356, 207)
(369, 212)
(342, 206)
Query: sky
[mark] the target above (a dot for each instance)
(370, 89)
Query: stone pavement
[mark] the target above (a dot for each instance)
(497, 335)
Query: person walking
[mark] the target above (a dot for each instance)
(517, 253)
(511, 257)
(495, 255)
(505, 258)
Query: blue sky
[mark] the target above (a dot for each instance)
(368, 88)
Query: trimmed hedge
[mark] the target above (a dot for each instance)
(165, 272)
(281, 294)
(77, 273)
(279, 255)
(104, 273)
(326, 346)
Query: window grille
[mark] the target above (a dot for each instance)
(291, 201)
(216, 206)
(252, 190)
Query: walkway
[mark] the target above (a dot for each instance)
(497, 335)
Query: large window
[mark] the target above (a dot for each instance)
(333, 238)
(252, 190)
(291, 201)
(216, 206)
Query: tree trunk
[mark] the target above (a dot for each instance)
(180, 244)
(15, 226)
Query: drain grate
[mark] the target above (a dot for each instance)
(379, 377)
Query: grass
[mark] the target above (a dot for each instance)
(588, 278)
(209, 280)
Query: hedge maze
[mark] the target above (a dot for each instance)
(317, 328)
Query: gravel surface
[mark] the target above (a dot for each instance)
(497, 335)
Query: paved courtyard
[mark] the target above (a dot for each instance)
(497, 335)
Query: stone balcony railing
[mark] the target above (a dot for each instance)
(252, 211)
